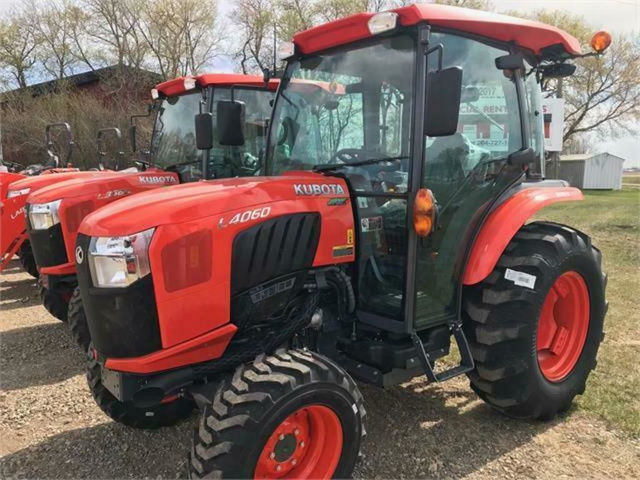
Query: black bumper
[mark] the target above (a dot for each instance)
(145, 390)
(123, 322)
(47, 245)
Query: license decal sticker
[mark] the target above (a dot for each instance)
(342, 250)
(521, 279)
(363, 202)
(371, 224)
(337, 201)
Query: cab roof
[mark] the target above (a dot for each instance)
(529, 34)
(176, 86)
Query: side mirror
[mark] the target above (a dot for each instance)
(204, 131)
(558, 70)
(132, 137)
(443, 102)
(230, 116)
(513, 61)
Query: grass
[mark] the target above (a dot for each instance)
(612, 219)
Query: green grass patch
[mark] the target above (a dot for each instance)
(612, 219)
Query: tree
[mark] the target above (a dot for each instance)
(603, 95)
(181, 34)
(18, 44)
(255, 20)
(53, 25)
(112, 26)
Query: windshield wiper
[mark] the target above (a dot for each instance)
(334, 166)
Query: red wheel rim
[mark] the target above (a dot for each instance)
(307, 444)
(563, 326)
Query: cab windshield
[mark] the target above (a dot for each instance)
(174, 140)
(347, 107)
(174, 137)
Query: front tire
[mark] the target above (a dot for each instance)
(161, 415)
(294, 414)
(77, 321)
(56, 301)
(27, 260)
(535, 323)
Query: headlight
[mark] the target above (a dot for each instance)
(119, 261)
(17, 193)
(44, 215)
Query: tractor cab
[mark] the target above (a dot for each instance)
(173, 139)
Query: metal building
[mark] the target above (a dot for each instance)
(601, 171)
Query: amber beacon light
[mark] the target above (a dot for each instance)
(600, 41)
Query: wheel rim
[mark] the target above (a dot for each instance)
(563, 326)
(307, 444)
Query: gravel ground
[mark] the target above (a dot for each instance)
(51, 428)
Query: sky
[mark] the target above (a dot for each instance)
(615, 16)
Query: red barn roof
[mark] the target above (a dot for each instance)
(529, 34)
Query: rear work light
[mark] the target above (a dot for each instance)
(189, 83)
(286, 50)
(117, 262)
(155, 94)
(382, 22)
(424, 212)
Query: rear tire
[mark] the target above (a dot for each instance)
(502, 321)
(77, 321)
(272, 401)
(55, 301)
(162, 415)
(27, 260)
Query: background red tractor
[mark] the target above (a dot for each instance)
(54, 214)
(15, 188)
(393, 219)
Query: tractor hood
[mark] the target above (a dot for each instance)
(189, 202)
(104, 186)
(41, 181)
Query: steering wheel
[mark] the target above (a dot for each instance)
(351, 155)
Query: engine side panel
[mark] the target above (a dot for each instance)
(198, 308)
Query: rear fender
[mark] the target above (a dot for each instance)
(503, 223)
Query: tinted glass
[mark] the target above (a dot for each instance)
(174, 138)
(351, 106)
(466, 170)
(233, 161)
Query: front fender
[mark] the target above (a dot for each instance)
(503, 223)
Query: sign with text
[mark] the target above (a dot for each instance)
(553, 110)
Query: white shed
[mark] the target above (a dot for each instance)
(601, 171)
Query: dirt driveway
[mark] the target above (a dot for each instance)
(51, 428)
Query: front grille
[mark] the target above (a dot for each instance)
(123, 322)
(47, 245)
(272, 248)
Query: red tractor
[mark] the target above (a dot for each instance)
(392, 220)
(15, 187)
(54, 214)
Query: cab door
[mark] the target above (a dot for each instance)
(465, 171)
